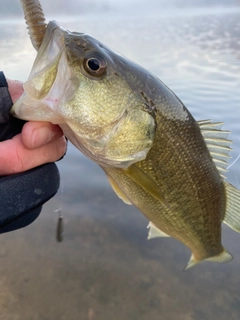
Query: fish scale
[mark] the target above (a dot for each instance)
(170, 166)
(154, 153)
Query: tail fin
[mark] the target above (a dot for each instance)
(223, 257)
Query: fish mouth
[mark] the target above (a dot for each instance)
(47, 81)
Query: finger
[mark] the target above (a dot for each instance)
(37, 134)
(15, 89)
(15, 157)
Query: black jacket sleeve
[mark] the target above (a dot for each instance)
(22, 195)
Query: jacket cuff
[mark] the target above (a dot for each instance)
(3, 81)
(5, 99)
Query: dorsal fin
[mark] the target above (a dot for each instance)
(232, 214)
(217, 143)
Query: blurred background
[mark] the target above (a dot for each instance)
(61, 7)
(106, 268)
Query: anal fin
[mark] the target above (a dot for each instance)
(154, 232)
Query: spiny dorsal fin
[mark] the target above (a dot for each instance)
(232, 215)
(217, 143)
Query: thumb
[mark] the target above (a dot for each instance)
(15, 89)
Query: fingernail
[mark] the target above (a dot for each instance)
(41, 136)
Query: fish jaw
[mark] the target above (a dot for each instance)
(103, 116)
(48, 85)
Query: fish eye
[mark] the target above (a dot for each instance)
(95, 65)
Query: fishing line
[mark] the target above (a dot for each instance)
(234, 162)
(60, 224)
(59, 230)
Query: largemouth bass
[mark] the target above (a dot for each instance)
(154, 153)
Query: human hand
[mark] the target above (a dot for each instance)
(38, 143)
(24, 146)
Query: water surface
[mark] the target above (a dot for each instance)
(106, 268)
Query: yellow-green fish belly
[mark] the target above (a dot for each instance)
(194, 197)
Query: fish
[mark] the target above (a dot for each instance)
(156, 156)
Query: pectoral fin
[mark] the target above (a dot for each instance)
(145, 182)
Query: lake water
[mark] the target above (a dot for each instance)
(106, 269)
